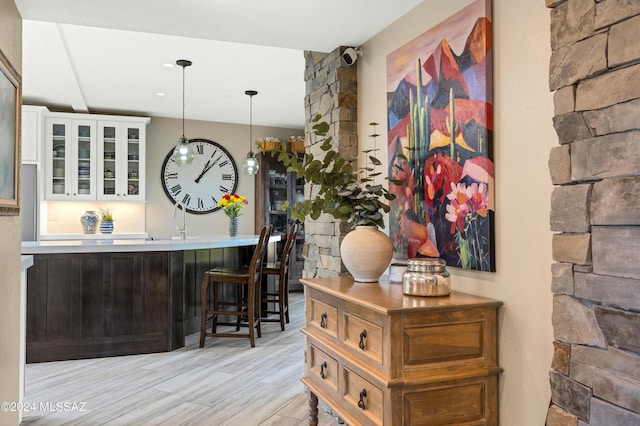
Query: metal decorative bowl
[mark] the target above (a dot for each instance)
(426, 277)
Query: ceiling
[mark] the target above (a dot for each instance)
(109, 56)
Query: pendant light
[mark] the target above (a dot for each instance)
(250, 164)
(183, 152)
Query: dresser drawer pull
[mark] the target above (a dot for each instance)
(363, 395)
(323, 367)
(363, 335)
(323, 320)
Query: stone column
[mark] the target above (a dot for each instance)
(595, 212)
(331, 91)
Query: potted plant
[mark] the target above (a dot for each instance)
(346, 191)
(106, 220)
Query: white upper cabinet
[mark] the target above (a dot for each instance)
(32, 117)
(90, 157)
(70, 168)
(121, 164)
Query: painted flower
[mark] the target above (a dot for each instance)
(464, 202)
(457, 209)
(232, 204)
(478, 198)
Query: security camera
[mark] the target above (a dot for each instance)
(350, 55)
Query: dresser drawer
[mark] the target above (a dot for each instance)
(324, 317)
(362, 397)
(363, 336)
(455, 402)
(322, 368)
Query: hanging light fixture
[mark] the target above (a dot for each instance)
(183, 152)
(250, 164)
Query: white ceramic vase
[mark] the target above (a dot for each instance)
(366, 253)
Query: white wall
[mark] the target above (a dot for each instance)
(523, 137)
(11, 45)
(162, 135)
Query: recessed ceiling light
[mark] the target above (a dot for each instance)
(160, 94)
(167, 65)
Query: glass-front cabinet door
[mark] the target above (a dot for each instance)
(70, 154)
(109, 160)
(121, 161)
(57, 153)
(84, 160)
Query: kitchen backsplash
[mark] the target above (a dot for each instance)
(63, 217)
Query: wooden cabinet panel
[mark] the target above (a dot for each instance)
(461, 402)
(363, 397)
(323, 317)
(324, 367)
(363, 336)
(89, 305)
(443, 343)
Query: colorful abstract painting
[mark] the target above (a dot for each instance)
(440, 131)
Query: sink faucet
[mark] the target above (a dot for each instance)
(182, 230)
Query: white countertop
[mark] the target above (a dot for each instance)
(140, 245)
(114, 236)
(26, 261)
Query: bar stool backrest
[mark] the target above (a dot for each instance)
(260, 252)
(286, 253)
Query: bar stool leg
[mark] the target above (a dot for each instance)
(250, 318)
(240, 298)
(257, 306)
(286, 297)
(281, 289)
(216, 307)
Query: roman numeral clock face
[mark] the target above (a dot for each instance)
(201, 184)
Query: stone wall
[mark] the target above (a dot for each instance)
(331, 91)
(595, 212)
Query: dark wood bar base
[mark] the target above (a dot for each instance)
(91, 305)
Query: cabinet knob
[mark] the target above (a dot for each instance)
(323, 320)
(323, 368)
(361, 403)
(363, 335)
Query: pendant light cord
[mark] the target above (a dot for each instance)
(183, 67)
(251, 94)
(184, 63)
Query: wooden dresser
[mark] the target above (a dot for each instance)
(378, 357)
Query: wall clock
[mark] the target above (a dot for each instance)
(201, 184)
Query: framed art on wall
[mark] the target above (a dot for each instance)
(10, 100)
(440, 142)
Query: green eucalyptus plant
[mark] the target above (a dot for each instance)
(338, 186)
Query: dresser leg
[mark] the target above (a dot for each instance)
(313, 409)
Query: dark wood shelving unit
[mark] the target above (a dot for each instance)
(274, 186)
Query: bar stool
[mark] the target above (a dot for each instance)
(280, 297)
(247, 304)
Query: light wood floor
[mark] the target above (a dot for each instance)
(225, 383)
